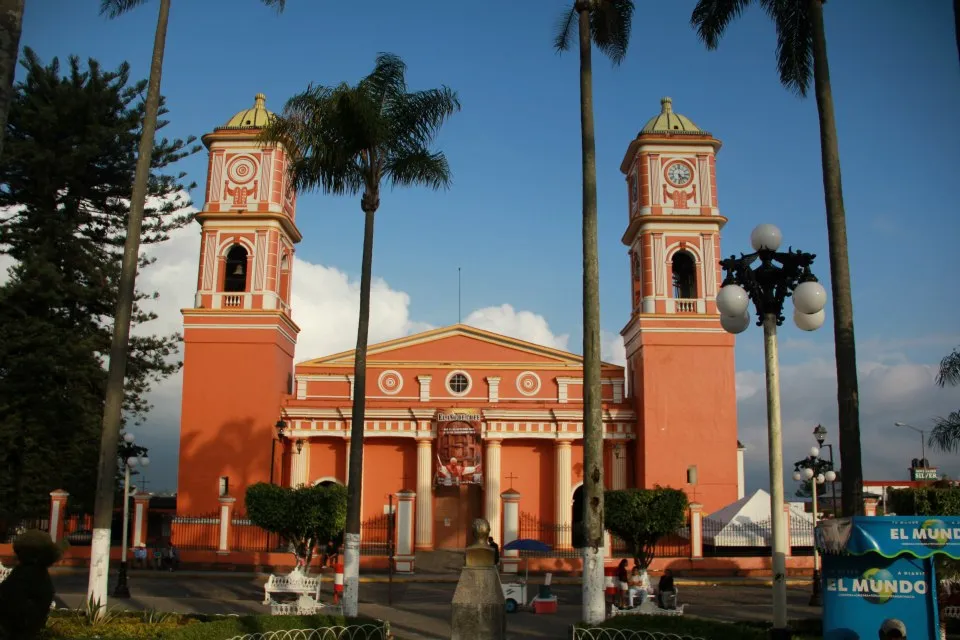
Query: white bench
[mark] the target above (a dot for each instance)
(294, 583)
(648, 608)
(304, 606)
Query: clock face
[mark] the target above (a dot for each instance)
(679, 174)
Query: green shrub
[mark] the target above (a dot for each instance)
(26, 594)
(933, 500)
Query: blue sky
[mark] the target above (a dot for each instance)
(511, 219)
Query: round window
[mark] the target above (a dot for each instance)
(458, 383)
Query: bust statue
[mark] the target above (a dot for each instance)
(480, 553)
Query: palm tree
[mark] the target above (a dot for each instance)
(113, 403)
(347, 140)
(802, 52)
(946, 431)
(11, 21)
(606, 24)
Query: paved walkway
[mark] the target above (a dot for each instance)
(417, 610)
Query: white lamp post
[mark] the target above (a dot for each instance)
(778, 276)
(806, 474)
(122, 590)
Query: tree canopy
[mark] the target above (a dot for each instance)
(65, 175)
(303, 516)
(640, 517)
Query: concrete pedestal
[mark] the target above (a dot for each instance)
(479, 610)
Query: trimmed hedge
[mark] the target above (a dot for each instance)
(939, 501)
(69, 625)
(712, 629)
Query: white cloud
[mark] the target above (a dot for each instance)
(523, 325)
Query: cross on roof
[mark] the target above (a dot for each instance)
(143, 483)
(511, 478)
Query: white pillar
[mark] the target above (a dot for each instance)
(740, 482)
(424, 532)
(403, 560)
(696, 530)
(563, 501)
(226, 515)
(618, 464)
(511, 529)
(491, 491)
(299, 463)
(139, 507)
(346, 464)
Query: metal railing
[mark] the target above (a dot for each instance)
(195, 533)
(606, 633)
(378, 631)
(376, 535)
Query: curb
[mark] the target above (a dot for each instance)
(719, 581)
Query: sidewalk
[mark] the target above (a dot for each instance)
(440, 578)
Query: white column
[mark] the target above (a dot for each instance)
(403, 560)
(346, 464)
(491, 490)
(563, 501)
(424, 387)
(511, 529)
(299, 463)
(138, 515)
(740, 482)
(493, 393)
(226, 513)
(618, 464)
(424, 532)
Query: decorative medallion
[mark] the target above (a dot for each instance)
(242, 169)
(528, 383)
(390, 382)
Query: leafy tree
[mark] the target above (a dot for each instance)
(605, 24)
(64, 179)
(303, 516)
(126, 301)
(640, 517)
(802, 56)
(946, 431)
(349, 139)
(11, 21)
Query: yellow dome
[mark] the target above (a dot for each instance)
(669, 122)
(256, 117)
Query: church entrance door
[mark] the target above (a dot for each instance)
(455, 508)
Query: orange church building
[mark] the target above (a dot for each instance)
(458, 415)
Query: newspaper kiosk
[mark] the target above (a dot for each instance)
(878, 574)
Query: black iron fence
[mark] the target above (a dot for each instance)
(376, 535)
(675, 545)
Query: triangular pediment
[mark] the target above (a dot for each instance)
(457, 344)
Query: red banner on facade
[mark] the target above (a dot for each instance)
(459, 449)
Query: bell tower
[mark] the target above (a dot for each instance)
(239, 337)
(680, 362)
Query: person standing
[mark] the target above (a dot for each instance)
(496, 551)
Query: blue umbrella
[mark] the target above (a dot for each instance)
(526, 544)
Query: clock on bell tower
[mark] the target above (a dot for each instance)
(680, 362)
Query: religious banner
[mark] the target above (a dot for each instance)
(459, 448)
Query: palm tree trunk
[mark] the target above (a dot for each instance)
(351, 542)
(119, 346)
(11, 20)
(956, 23)
(848, 398)
(592, 582)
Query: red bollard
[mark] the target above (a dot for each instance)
(609, 582)
(338, 582)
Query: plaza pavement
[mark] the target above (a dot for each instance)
(420, 606)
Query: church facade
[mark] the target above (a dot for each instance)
(458, 415)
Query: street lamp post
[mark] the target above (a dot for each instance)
(280, 426)
(820, 434)
(130, 459)
(778, 276)
(923, 442)
(809, 472)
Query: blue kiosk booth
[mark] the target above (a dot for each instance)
(878, 575)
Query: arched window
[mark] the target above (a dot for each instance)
(684, 275)
(235, 279)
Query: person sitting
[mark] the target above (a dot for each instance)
(329, 551)
(496, 551)
(623, 583)
(639, 585)
(666, 591)
(140, 557)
